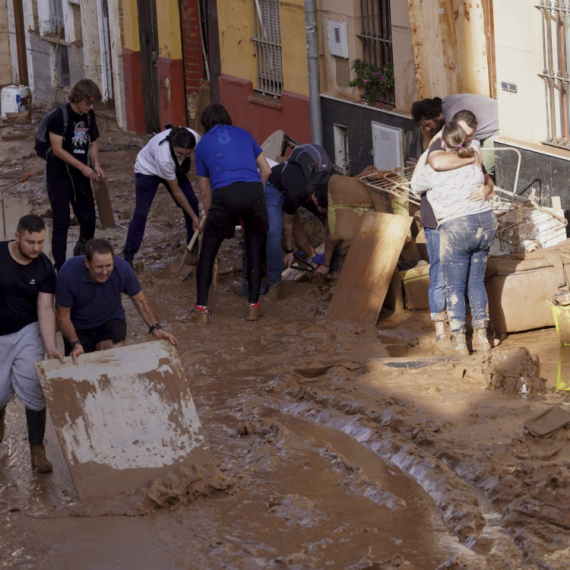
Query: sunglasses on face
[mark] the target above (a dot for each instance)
(89, 103)
(182, 156)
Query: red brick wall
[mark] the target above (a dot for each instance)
(191, 46)
(262, 116)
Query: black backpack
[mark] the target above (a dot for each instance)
(43, 145)
(315, 163)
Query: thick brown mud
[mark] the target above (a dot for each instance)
(328, 452)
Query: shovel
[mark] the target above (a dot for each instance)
(187, 253)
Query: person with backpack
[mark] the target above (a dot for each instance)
(164, 160)
(302, 180)
(72, 161)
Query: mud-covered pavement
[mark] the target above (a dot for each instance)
(325, 456)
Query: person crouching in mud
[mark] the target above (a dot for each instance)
(467, 229)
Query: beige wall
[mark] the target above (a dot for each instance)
(336, 71)
(518, 46)
(404, 71)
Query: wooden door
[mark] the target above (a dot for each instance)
(148, 32)
(21, 42)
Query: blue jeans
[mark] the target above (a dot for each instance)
(145, 190)
(436, 290)
(465, 244)
(274, 255)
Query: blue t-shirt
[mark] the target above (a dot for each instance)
(227, 154)
(93, 304)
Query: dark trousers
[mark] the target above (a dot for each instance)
(64, 189)
(243, 201)
(145, 190)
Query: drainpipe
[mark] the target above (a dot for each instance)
(314, 79)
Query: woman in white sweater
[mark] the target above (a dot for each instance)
(467, 230)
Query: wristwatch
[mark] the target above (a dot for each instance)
(74, 344)
(154, 328)
(289, 250)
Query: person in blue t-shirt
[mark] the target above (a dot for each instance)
(88, 301)
(232, 172)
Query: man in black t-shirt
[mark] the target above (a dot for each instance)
(293, 184)
(27, 328)
(72, 162)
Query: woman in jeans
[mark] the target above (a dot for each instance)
(467, 226)
(231, 170)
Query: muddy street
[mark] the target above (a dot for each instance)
(335, 445)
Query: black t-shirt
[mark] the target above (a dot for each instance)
(80, 133)
(19, 289)
(293, 184)
(427, 217)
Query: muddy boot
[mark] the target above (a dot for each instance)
(2, 420)
(36, 421)
(200, 314)
(481, 342)
(443, 345)
(275, 291)
(253, 312)
(459, 345)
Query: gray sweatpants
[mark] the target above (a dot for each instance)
(18, 352)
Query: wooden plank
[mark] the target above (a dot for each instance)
(471, 42)
(123, 416)
(12, 210)
(104, 206)
(369, 268)
(431, 76)
(450, 48)
(202, 102)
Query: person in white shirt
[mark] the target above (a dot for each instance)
(164, 160)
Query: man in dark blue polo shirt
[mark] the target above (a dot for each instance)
(88, 301)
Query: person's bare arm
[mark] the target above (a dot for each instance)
(205, 192)
(264, 168)
(148, 315)
(441, 161)
(288, 237)
(46, 322)
(183, 201)
(94, 157)
(63, 315)
(56, 142)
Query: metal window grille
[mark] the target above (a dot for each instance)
(376, 35)
(55, 16)
(267, 43)
(555, 16)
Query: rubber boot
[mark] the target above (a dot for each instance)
(79, 248)
(36, 421)
(460, 345)
(2, 419)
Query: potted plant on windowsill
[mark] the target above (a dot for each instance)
(377, 82)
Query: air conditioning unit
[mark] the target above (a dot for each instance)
(338, 38)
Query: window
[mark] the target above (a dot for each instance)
(555, 28)
(55, 16)
(267, 42)
(376, 35)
